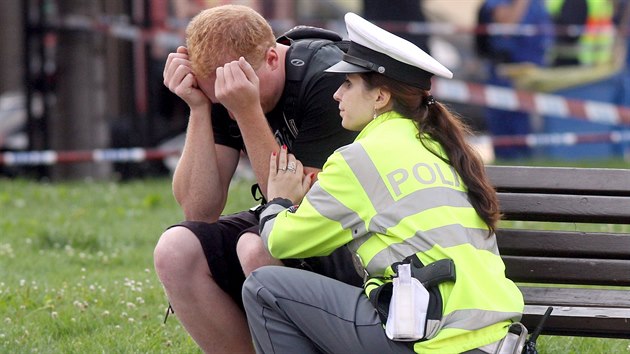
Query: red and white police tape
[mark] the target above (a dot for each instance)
(134, 155)
(531, 102)
(49, 157)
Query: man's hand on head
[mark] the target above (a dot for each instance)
(179, 78)
(237, 88)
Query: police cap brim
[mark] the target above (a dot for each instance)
(346, 68)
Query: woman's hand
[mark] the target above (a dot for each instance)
(286, 177)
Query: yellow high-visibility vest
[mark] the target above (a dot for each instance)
(386, 197)
(595, 45)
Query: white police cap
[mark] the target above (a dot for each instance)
(374, 49)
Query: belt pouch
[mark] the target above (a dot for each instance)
(407, 315)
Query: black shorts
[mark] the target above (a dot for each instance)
(219, 239)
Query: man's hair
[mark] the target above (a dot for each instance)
(224, 33)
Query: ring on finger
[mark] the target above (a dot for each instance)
(291, 166)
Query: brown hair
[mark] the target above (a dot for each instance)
(224, 33)
(445, 127)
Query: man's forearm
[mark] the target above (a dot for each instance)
(260, 143)
(197, 185)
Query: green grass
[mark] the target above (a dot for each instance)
(76, 270)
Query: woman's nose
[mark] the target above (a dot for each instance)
(337, 96)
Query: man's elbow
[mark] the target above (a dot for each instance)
(195, 212)
(201, 216)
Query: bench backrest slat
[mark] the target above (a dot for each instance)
(561, 207)
(569, 297)
(597, 181)
(568, 244)
(568, 270)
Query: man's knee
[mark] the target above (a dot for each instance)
(178, 250)
(252, 253)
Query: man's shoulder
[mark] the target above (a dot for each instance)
(314, 53)
(306, 62)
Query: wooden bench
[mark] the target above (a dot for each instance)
(582, 267)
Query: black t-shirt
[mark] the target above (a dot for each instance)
(313, 136)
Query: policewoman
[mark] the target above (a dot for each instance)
(410, 198)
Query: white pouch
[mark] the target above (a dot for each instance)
(408, 308)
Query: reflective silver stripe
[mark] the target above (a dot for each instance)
(417, 202)
(445, 236)
(330, 207)
(272, 209)
(474, 319)
(366, 172)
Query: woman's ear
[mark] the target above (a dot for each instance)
(383, 98)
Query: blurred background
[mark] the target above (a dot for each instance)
(81, 92)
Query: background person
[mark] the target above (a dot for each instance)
(592, 47)
(409, 185)
(503, 49)
(232, 76)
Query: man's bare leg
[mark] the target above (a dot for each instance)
(209, 315)
(253, 254)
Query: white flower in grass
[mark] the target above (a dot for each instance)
(7, 320)
(105, 313)
(54, 315)
(81, 305)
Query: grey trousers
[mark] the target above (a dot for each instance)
(296, 311)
